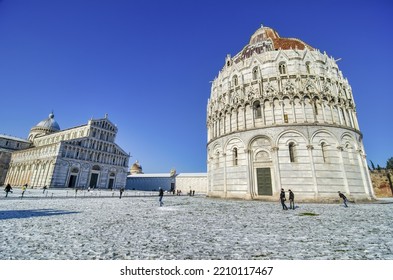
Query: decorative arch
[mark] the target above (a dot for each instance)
(290, 131)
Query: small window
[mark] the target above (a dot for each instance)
(315, 107)
(235, 157)
(308, 67)
(323, 148)
(235, 80)
(255, 73)
(292, 152)
(282, 68)
(285, 117)
(257, 110)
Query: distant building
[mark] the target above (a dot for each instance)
(282, 115)
(183, 182)
(8, 145)
(83, 156)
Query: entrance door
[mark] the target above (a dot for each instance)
(264, 181)
(93, 180)
(72, 181)
(110, 184)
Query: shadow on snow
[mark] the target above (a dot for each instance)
(21, 214)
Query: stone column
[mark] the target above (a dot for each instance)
(310, 148)
(331, 113)
(263, 113)
(273, 112)
(323, 111)
(282, 110)
(253, 115)
(302, 102)
(339, 115)
(314, 110)
(276, 170)
(230, 121)
(362, 163)
(355, 120)
(224, 155)
(250, 192)
(340, 151)
(292, 102)
(244, 118)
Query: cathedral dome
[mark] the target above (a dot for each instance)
(136, 168)
(44, 127)
(49, 123)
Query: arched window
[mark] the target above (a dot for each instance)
(257, 110)
(324, 154)
(316, 106)
(235, 81)
(235, 158)
(255, 73)
(292, 152)
(282, 68)
(96, 167)
(285, 118)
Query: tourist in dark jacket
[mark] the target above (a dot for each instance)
(7, 189)
(344, 198)
(161, 194)
(291, 200)
(282, 199)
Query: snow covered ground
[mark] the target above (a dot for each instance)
(58, 225)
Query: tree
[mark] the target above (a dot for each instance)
(389, 163)
(372, 165)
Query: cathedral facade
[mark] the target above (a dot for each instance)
(79, 157)
(282, 115)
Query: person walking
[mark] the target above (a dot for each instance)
(121, 192)
(344, 198)
(291, 200)
(283, 199)
(24, 187)
(7, 189)
(161, 194)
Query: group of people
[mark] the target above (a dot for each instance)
(291, 200)
(8, 189)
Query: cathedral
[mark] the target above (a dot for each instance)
(79, 157)
(282, 115)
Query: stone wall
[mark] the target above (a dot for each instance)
(192, 181)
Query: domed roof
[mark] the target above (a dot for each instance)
(136, 168)
(267, 39)
(265, 33)
(49, 123)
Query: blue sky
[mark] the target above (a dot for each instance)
(148, 65)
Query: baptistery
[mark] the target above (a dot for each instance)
(282, 115)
